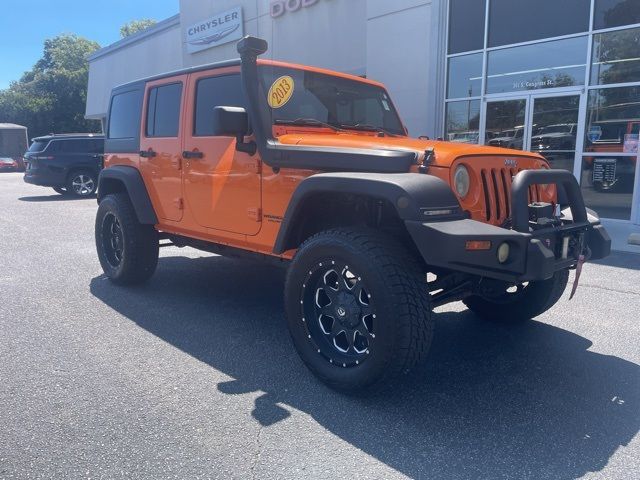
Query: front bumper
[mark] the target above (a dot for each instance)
(534, 254)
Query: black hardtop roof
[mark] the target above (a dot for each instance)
(68, 136)
(199, 68)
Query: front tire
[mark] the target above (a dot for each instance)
(127, 249)
(521, 302)
(60, 190)
(358, 309)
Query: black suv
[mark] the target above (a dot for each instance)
(69, 163)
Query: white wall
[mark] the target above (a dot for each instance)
(400, 54)
(150, 55)
(329, 34)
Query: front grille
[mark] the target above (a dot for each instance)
(496, 187)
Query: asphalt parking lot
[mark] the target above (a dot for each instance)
(194, 376)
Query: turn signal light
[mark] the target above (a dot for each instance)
(478, 245)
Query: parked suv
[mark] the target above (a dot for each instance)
(314, 170)
(69, 163)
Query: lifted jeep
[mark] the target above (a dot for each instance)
(314, 169)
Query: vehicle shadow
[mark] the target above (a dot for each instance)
(491, 401)
(53, 198)
(626, 260)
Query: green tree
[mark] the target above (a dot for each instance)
(135, 26)
(51, 97)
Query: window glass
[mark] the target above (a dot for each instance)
(462, 121)
(522, 21)
(560, 63)
(616, 57)
(124, 116)
(38, 145)
(505, 123)
(607, 185)
(613, 119)
(163, 110)
(223, 91)
(465, 76)
(466, 25)
(615, 13)
(316, 97)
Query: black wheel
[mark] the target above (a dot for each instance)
(82, 183)
(358, 309)
(520, 302)
(127, 250)
(60, 190)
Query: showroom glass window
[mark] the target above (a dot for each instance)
(225, 90)
(615, 13)
(466, 25)
(163, 110)
(561, 63)
(616, 56)
(522, 21)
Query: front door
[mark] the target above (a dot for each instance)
(222, 186)
(542, 123)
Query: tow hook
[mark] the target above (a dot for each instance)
(581, 259)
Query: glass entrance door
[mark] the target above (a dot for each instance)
(540, 123)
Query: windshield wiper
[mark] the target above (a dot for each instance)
(365, 127)
(307, 122)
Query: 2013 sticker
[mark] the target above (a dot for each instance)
(281, 92)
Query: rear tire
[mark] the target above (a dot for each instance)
(127, 249)
(527, 302)
(82, 183)
(358, 309)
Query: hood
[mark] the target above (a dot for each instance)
(445, 152)
(552, 135)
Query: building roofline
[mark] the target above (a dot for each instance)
(136, 37)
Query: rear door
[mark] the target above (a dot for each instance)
(222, 185)
(161, 145)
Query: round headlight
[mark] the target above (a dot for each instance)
(503, 252)
(462, 181)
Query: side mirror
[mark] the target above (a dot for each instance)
(233, 122)
(230, 122)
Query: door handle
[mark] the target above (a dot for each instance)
(192, 154)
(147, 153)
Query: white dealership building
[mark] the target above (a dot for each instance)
(559, 78)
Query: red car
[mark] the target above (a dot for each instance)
(8, 165)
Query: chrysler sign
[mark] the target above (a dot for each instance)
(217, 30)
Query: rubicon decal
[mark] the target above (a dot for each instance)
(217, 30)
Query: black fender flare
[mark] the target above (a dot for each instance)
(131, 180)
(414, 196)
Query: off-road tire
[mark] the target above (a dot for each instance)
(403, 323)
(139, 244)
(86, 177)
(535, 299)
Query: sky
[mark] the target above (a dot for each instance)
(26, 24)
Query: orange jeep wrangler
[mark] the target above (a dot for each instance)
(314, 169)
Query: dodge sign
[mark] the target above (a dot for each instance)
(217, 30)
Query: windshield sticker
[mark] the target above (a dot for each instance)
(281, 92)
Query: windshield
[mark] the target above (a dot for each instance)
(309, 98)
